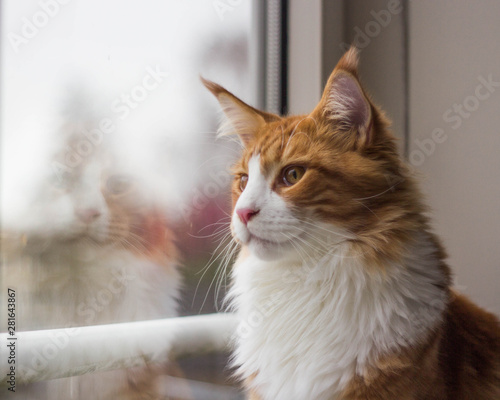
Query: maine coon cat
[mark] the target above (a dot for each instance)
(94, 249)
(342, 288)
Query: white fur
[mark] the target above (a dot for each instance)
(315, 317)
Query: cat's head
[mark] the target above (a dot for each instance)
(305, 183)
(87, 203)
(100, 202)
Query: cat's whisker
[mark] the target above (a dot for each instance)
(306, 243)
(216, 234)
(330, 248)
(298, 246)
(225, 253)
(302, 120)
(381, 193)
(141, 249)
(315, 224)
(300, 251)
(318, 237)
(136, 240)
(319, 240)
(294, 134)
(219, 222)
(368, 208)
(223, 276)
(227, 214)
(295, 129)
(221, 243)
(133, 241)
(231, 256)
(220, 227)
(225, 234)
(212, 281)
(282, 136)
(215, 256)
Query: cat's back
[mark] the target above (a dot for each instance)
(470, 351)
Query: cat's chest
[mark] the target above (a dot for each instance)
(308, 332)
(297, 329)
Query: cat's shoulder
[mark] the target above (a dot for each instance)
(468, 324)
(470, 349)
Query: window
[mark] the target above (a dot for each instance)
(111, 174)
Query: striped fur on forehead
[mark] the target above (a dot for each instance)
(278, 143)
(285, 142)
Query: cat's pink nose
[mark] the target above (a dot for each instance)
(88, 215)
(246, 214)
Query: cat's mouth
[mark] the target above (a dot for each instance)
(88, 236)
(268, 249)
(253, 238)
(90, 233)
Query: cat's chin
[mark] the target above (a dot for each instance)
(80, 235)
(267, 250)
(263, 248)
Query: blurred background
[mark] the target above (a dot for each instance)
(135, 66)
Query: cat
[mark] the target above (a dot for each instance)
(341, 286)
(93, 249)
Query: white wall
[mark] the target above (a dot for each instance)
(304, 55)
(452, 45)
(376, 28)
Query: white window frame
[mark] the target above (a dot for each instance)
(59, 353)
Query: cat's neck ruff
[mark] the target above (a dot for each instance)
(307, 330)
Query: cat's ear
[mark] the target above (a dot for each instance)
(241, 119)
(344, 102)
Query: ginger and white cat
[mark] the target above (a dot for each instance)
(93, 249)
(341, 286)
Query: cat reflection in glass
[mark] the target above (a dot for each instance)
(93, 249)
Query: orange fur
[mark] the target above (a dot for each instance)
(356, 180)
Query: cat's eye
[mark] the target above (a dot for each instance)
(243, 182)
(291, 175)
(118, 184)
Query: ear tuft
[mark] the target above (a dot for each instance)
(214, 88)
(349, 61)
